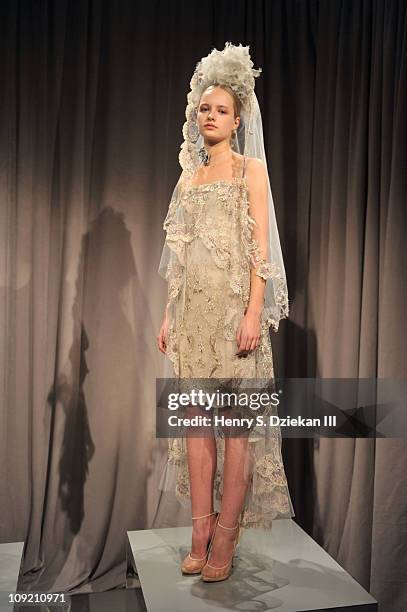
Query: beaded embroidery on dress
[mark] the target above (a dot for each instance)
(209, 233)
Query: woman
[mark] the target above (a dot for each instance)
(226, 287)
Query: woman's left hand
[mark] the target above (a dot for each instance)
(248, 334)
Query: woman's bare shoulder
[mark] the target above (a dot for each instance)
(256, 171)
(255, 164)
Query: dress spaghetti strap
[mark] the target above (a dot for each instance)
(244, 166)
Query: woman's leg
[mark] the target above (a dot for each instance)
(235, 482)
(201, 453)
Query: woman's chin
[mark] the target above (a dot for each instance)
(211, 140)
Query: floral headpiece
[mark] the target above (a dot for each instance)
(231, 67)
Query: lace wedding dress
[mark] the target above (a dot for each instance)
(209, 231)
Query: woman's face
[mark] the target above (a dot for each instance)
(216, 109)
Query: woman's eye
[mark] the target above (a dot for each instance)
(204, 109)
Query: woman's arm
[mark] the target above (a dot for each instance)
(257, 183)
(248, 333)
(162, 334)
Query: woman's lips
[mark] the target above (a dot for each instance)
(209, 126)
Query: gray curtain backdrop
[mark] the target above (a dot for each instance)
(91, 109)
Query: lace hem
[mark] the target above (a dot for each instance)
(267, 496)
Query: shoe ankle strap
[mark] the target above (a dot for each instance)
(228, 528)
(203, 516)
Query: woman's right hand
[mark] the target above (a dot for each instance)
(162, 335)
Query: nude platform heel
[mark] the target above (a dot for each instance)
(207, 573)
(191, 565)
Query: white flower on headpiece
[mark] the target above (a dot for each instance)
(232, 67)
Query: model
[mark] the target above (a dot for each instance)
(226, 288)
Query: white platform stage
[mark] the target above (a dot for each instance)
(284, 570)
(10, 561)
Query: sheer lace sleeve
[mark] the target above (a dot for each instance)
(258, 249)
